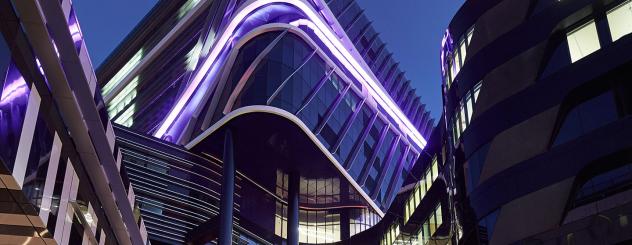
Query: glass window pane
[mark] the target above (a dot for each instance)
(439, 216)
(352, 136)
(419, 194)
(587, 116)
(13, 104)
(457, 65)
(380, 161)
(583, 41)
(463, 51)
(315, 111)
(330, 132)
(620, 20)
(452, 73)
(432, 224)
(300, 85)
(366, 149)
(426, 229)
(435, 169)
(477, 90)
(470, 33)
(391, 167)
(470, 107)
(462, 118)
(428, 179)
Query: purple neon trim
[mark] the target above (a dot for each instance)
(326, 35)
(15, 88)
(75, 30)
(447, 45)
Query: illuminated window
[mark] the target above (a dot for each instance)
(463, 50)
(186, 7)
(122, 102)
(430, 226)
(462, 118)
(469, 102)
(435, 169)
(583, 41)
(458, 56)
(620, 20)
(421, 189)
(391, 235)
(470, 33)
(124, 71)
(477, 90)
(463, 115)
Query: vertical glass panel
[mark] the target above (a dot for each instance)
(380, 161)
(13, 103)
(470, 107)
(455, 130)
(287, 56)
(391, 167)
(37, 166)
(477, 90)
(303, 230)
(314, 112)
(463, 49)
(330, 132)
(358, 126)
(462, 118)
(300, 85)
(432, 223)
(367, 147)
(278, 220)
(426, 231)
(620, 20)
(428, 179)
(123, 72)
(452, 73)
(406, 213)
(583, 41)
(439, 215)
(470, 33)
(435, 169)
(421, 191)
(457, 64)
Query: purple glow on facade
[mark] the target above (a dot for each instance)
(13, 103)
(14, 88)
(447, 45)
(326, 36)
(75, 29)
(39, 66)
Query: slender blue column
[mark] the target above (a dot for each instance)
(292, 208)
(228, 188)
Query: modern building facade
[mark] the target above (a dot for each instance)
(60, 179)
(288, 121)
(423, 210)
(537, 106)
(294, 108)
(534, 145)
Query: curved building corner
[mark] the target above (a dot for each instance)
(537, 99)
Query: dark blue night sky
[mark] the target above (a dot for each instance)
(412, 29)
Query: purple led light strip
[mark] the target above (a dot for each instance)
(14, 89)
(327, 36)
